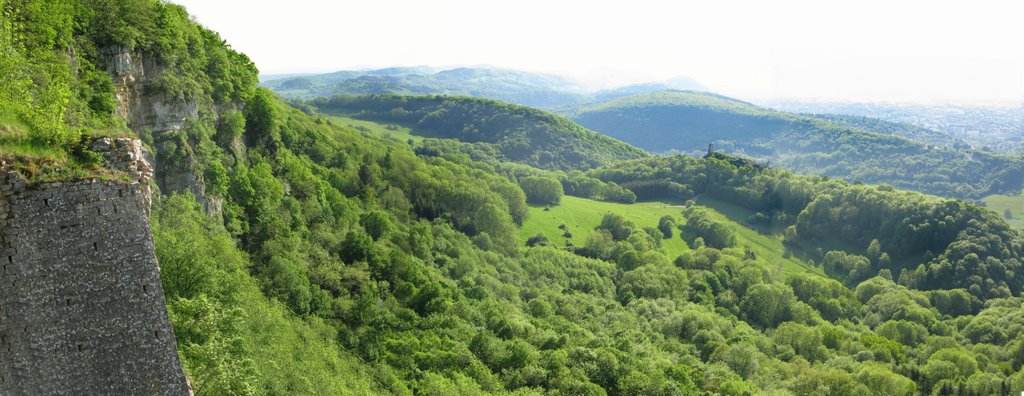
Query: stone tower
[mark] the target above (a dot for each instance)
(82, 310)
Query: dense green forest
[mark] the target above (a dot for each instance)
(519, 133)
(688, 121)
(346, 262)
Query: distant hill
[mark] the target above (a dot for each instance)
(513, 86)
(850, 148)
(989, 127)
(521, 134)
(533, 89)
(678, 83)
(907, 130)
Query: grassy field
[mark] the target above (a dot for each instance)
(1014, 202)
(581, 216)
(395, 131)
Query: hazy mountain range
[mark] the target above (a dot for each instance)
(513, 86)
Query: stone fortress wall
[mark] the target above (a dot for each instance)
(82, 310)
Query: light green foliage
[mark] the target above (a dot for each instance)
(513, 86)
(700, 224)
(904, 332)
(232, 339)
(882, 381)
(767, 305)
(804, 340)
(582, 216)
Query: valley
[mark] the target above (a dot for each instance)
(859, 151)
(450, 231)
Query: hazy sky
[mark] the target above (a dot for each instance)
(865, 50)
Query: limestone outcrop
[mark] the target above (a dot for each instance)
(148, 110)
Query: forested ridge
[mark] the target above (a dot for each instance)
(531, 89)
(851, 148)
(525, 88)
(521, 134)
(907, 130)
(344, 262)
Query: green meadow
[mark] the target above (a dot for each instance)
(581, 216)
(999, 203)
(395, 131)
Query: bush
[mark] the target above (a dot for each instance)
(541, 190)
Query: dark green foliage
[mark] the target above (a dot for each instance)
(577, 184)
(519, 133)
(767, 305)
(538, 240)
(849, 266)
(260, 118)
(541, 190)
(377, 223)
(903, 129)
(665, 225)
(485, 156)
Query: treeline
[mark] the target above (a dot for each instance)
(932, 243)
(484, 156)
(519, 133)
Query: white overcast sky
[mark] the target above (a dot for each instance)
(860, 50)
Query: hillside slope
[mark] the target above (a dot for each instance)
(331, 260)
(909, 131)
(521, 134)
(690, 121)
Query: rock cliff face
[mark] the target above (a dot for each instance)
(82, 310)
(147, 109)
(141, 106)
